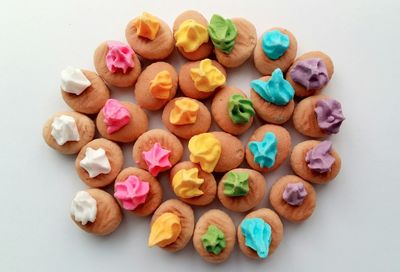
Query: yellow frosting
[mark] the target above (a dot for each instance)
(147, 26)
(206, 150)
(165, 230)
(161, 85)
(207, 77)
(186, 183)
(184, 112)
(191, 35)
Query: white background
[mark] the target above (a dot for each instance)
(355, 226)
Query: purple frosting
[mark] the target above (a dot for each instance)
(311, 74)
(294, 193)
(319, 158)
(329, 115)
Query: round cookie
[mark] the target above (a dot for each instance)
(114, 157)
(232, 152)
(143, 94)
(214, 218)
(300, 211)
(85, 130)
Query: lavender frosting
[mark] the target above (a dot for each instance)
(311, 74)
(294, 194)
(319, 158)
(329, 115)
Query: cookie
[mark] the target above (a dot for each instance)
(186, 117)
(117, 64)
(121, 121)
(171, 226)
(293, 198)
(214, 236)
(315, 161)
(150, 37)
(99, 162)
(240, 190)
(68, 132)
(191, 184)
(138, 191)
(268, 148)
(95, 211)
(276, 48)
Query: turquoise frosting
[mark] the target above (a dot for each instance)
(276, 90)
(264, 152)
(257, 235)
(275, 44)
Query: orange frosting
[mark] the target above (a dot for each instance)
(161, 85)
(147, 26)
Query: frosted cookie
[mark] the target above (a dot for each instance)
(234, 40)
(117, 64)
(191, 35)
(95, 211)
(157, 150)
(84, 91)
(99, 162)
(200, 79)
(214, 236)
(315, 161)
(293, 198)
(156, 86)
(191, 184)
(260, 233)
(268, 148)
(318, 116)
(68, 132)
(232, 110)
(137, 191)
(171, 226)
(216, 151)
(272, 98)
(121, 121)
(276, 48)
(240, 190)
(186, 117)
(150, 37)
(310, 73)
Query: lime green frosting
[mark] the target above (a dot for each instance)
(236, 184)
(213, 240)
(223, 33)
(240, 109)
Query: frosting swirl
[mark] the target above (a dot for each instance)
(294, 194)
(223, 33)
(131, 192)
(319, 158)
(95, 162)
(147, 26)
(161, 85)
(184, 112)
(213, 240)
(264, 152)
(311, 74)
(236, 184)
(329, 115)
(258, 235)
(119, 57)
(190, 35)
(157, 159)
(240, 109)
(74, 81)
(186, 183)
(274, 44)
(84, 208)
(116, 115)
(64, 129)
(207, 77)
(165, 230)
(205, 149)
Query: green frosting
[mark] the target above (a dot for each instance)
(236, 184)
(213, 240)
(223, 33)
(240, 109)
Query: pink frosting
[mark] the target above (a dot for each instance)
(119, 56)
(116, 115)
(131, 192)
(157, 159)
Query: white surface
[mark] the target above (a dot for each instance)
(356, 224)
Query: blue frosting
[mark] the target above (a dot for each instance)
(275, 44)
(264, 152)
(276, 90)
(257, 235)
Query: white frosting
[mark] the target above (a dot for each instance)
(73, 80)
(84, 207)
(95, 162)
(64, 129)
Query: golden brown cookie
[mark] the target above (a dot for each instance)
(232, 152)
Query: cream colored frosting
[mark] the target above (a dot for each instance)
(95, 162)
(64, 129)
(74, 81)
(84, 208)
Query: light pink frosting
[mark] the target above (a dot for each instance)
(157, 159)
(131, 192)
(116, 115)
(119, 56)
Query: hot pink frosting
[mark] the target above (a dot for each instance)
(131, 192)
(157, 159)
(119, 56)
(116, 115)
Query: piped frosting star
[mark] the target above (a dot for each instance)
(95, 162)
(157, 159)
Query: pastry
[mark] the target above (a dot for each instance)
(191, 184)
(121, 121)
(293, 198)
(68, 132)
(268, 148)
(95, 211)
(150, 37)
(171, 226)
(117, 64)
